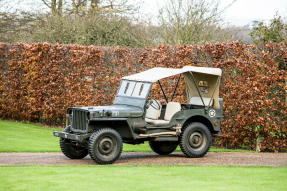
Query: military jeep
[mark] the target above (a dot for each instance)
(136, 117)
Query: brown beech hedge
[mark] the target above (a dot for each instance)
(39, 81)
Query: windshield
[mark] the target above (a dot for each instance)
(134, 89)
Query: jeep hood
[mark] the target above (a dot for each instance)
(113, 111)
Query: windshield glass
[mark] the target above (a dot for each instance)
(134, 89)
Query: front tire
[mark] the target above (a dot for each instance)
(195, 140)
(163, 147)
(70, 149)
(105, 146)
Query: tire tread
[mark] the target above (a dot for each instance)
(182, 142)
(157, 149)
(68, 152)
(94, 138)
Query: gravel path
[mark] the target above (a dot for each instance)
(138, 158)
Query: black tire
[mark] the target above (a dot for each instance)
(105, 146)
(195, 140)
(70, 149)
(163, 147)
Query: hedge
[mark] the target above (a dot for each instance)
(39, 81)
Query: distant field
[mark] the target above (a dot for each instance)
(29, 137)
(120, 178)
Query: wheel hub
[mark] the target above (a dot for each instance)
(106, 145)
(195, 139)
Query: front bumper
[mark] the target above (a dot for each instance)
(74, 137)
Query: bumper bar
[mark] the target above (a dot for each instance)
(71, 136)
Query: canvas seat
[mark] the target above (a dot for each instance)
(198, 101)
(152, 113)
(171, 109)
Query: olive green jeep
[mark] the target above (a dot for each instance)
(135, 117)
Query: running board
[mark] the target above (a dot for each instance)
(157, 134)
(176, 132)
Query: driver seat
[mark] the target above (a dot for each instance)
(171, 109)
(151, 112)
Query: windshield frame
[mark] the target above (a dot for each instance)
(132, 88)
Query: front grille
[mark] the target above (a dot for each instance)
(80, 119)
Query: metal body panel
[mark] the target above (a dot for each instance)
(71, 136)
(114, 111)
(125, 100)
(184, 116)
(80, 120)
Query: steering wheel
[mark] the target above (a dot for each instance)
(156, 106)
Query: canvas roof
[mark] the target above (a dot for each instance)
(155, 74)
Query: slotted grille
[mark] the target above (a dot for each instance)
(79, 121)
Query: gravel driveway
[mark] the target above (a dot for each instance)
(139, 158)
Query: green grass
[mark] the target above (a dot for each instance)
(26, 137)
(29, 137)
(134, 178)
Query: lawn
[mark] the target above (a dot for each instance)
(20, 137)
(29, 137)
(142, 178)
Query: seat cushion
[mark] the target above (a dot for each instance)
(198, 101)
(153, 113)
(156, 122)
(171, 109)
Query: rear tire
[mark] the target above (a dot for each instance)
(163, 147)
(71, 150)
(195, 140)
(105, 146)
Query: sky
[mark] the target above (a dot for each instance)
(242, 12)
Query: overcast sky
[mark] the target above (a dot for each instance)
(241, 13)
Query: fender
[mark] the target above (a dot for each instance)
(197, 115)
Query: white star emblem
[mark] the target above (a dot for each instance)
(212, 113)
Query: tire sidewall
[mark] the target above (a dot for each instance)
(184, 142)
(94, 141)
(163, 147)
(71, 151)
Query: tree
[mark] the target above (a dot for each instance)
(274, 32)
(83, 7)
(13, 25)
(92, 29)
(56, 6)
(190, 21)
